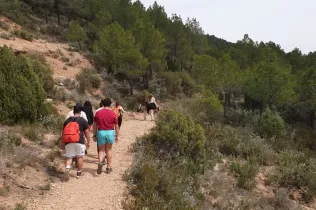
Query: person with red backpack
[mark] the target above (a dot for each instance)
(74, 142)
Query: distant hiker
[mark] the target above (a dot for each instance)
(83, 114)
(101, 106)
(87, 108)
(143, 106)
(73, 140)
(105, 130)
(118, 109)
(152, 106)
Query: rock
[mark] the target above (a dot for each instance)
(61, 84)
(295, 195)
(49, 100)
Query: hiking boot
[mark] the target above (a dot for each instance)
(108, 170)
(99, 171)
(66, 174)
(79, 174)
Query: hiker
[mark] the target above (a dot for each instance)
(105, 130)
(83, 115)
(143, 106)
(118, 109)
(71, 113)
(87, 109)
(74, 142)
(152, 106)
(101, 107)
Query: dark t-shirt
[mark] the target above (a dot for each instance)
(105, 119)
(83, 125)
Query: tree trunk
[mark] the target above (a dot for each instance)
(226, 103)
(150, 72)
(79, 45)
(131, 88)
(58, 18)
(312, 118)
(46, 16)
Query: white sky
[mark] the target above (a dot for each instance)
(290, 23)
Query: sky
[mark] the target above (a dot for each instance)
(289, 23)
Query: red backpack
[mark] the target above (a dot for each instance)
(71, 133)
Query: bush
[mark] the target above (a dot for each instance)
(177, 135)
(271, 124)
(43, 70)
(53, 123)
(297, 169)
(88, 78)
(32, 133)
(178, 83)
(246, 174)
(205, 108)
(21, 93)
(8, 140)
(166, 163)
(23, 35)
(4, 26)
(240, 142)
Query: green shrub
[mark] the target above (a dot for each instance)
(45, 187)
(240, 142)
(246, 174)
(4, 191)
(88, 78)
(271, 124)
(4, 26)
(297, 169)
(20, 206)
(43, 70)
(65, 59)
(53, 123)
(178, 135)
(166, 163)
(32, 133)
(178, 83)
(23, 35)
(8, 140)
(4, 36)
(21, 93)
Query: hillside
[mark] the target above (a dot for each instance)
(235, 129)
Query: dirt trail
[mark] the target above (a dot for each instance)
(91, 191)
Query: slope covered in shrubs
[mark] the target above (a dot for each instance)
(22, 95)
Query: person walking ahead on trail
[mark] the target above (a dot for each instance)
(87, 109)
(105, 131)
(152, 106)
(143, 106)
(73, 141)
(100, 108)
(71, 113)
(118, 109)
(83, 115)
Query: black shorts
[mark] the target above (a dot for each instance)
(151, 106)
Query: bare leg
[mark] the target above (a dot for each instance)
(151, 114)
(145, 114)
(79, 163)
(101, 150)
(101, 156)
(68, 162)
(108, 150)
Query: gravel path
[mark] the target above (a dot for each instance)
(96, 192)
